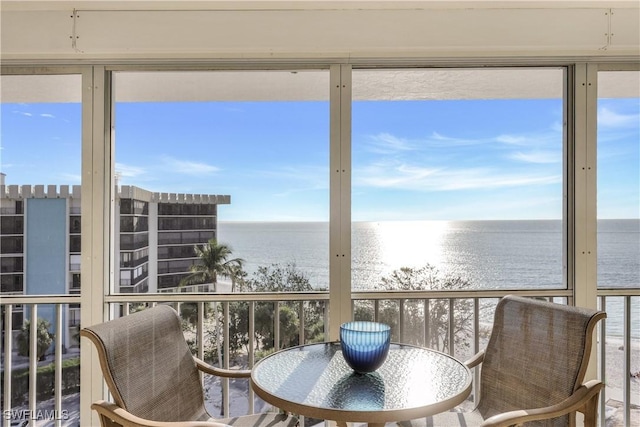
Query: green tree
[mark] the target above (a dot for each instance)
(44, 338)
(214, 261)
(437, 317)
(189, 312)
(278, 278)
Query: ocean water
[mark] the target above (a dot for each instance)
(488, 254)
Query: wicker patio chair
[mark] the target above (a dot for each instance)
(532, 369)
(153, 377)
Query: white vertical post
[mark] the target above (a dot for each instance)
(276, 325)
(401, 326)
(627, 361)
(340, 198)
(301, 323)
(584, 120)
(200, 331)
(345, 190)
(8, 346)
(603, 363)
(33, 363)
(95, 208)
(585, 197)
(476, 349)
(252, 349)
(226, 352)
(58, 368)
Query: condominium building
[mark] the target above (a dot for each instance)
(157, 233)
(40, 235)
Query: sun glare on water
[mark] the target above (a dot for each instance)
(410, 243)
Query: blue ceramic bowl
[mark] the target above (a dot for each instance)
(365, 345)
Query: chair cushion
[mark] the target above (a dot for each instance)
(536, 355)
(148, 365)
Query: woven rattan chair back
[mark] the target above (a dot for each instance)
(537, 355)
(148, 366)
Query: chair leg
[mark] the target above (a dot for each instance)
(591, 411)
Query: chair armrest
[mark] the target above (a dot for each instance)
(573, 403)
(226, 373)
(126, 419)
(475, 360)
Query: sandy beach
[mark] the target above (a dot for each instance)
(615, 377)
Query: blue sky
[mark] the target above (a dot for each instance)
(412, 160)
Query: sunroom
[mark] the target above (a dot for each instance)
(409, 162)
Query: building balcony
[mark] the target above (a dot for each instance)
(224, 322)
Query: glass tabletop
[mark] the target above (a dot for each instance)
(315, 381)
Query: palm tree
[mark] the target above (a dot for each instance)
(214, 262)
(237, 276)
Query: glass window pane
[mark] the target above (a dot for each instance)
(618, 167)
(40, 164)
(237, 156)
(457, 175)
(619, 179)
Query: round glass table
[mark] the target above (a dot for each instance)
(315, 381)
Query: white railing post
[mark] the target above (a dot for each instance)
(301, 323)
(427, 321)
(226, 356)
(8, 347)
(603, 365)
(276, 326)
(33, 363)
(626, 370)
(401, 320)
(58, 368)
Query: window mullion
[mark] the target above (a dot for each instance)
(340, 199)
(95, 228)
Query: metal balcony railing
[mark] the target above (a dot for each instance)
(212, 320)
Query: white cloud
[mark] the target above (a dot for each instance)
(50, 116)
(512, 139)
(412, 178)
(438, 140)
(439, 137)
(23, 113)
(436, 136)
(387, 176)
(187, 167)
(609, 118)
(539, 157)
(557, 127)
(129, 171)
(386, 143)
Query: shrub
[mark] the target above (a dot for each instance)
(44, 338)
